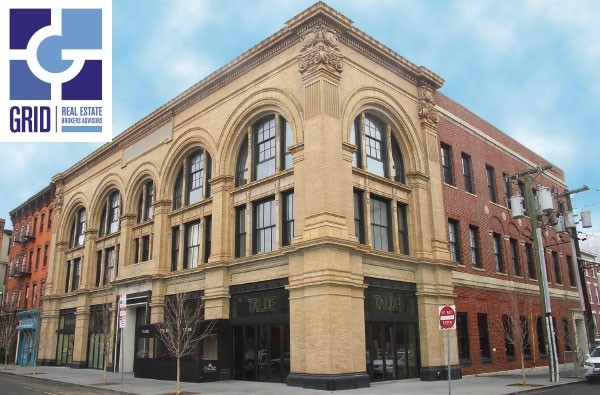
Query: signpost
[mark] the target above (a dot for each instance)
(122, 325)
(447, 317)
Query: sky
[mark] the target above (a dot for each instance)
(528, 67)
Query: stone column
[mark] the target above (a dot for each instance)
(82, 325)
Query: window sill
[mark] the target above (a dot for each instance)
(486, 361)
(466, 362)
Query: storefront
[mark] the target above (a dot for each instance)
(260, 326)
(28, 337)
(392, 345)
(66, 337)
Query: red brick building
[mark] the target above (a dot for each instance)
(29, 259)
(496, 280)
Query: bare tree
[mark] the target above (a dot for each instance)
(102, 334)
(515, 327)
(8, 332)
(180, 330)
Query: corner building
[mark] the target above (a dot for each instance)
(296, 191)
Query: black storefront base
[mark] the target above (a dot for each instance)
(329, 382)
(78, 365)
(436, 373)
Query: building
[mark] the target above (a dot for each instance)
(5, 242)
(28, 268)
(298, 192)
(592, 280)
(494, 252)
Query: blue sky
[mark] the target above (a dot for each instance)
(528, 67)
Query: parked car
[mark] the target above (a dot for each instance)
(592, 365)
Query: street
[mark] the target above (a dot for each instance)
(22, 385)
(582, 388)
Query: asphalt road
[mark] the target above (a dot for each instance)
(22, 385)
(582, 388)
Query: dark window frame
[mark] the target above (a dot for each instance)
(515, 258)
(484, 338)
(447, 164)
(454, 240)
(288, 217)
(467, 167)
(475, 247)
(263, 226)
(498, 253)
(381, 227)
(491, 181)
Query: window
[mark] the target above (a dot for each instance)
(509, 340)
(45, 261)
(507, 189)
(175, 237)
(110, 263)
(49, 218)
(271, 138)
(288, 218)
(240, 231)
(191, 255)
(42, 217)
(447, 166)
(530, 262)
(359, 217)
(264, 226)
(207, 237)
(541, 339)
(484, 337)
(145, 202)
(37, 258)
(77, 229)
(145, 248)
(27, 293)
(109, 219)
(35, 221)
(141, 252)
(402, 229)
(468, 173)
(34, 296)
(193, 179)
(76, 269)
(571, 269)
(556, 265)
(568, 335)
(525, 337)
(372, 137)
(136, 250)
(497, 241)
(454, 240)
(474, 244)
(462, 335)
(514, 257)
(42, 291)
(380, 224)
(491, 181)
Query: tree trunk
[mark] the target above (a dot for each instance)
(105, 367)
(178, 388)
(523, 378)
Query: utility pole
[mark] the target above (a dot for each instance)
(541, 267)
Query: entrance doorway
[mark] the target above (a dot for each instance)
(392, 351)
(261, 352)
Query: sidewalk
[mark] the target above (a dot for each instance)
(488, 384)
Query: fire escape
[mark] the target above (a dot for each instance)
(20, 267)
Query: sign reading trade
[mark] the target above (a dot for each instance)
(447, 315)
(123, 312)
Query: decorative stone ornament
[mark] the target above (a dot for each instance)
(427, 112)
(320, 49)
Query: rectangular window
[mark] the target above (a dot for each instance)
(43, 216)
(402, 214)
(507, 189)
(191, 246)
(572, 277)
(264, 226)
(240, 231)
(380, 224)
(375, 146)
(462, 335)
(454, 239)
(525, 337)
(37, 257)
(110, 262)
(98, 268)
(468, 173)
(541, 339)
(286, 142)
(207, 237)
(484, 337)
(195, 176)
(356, 140)
(76, 274)
(45, 261)
(174, 248)
(491, 181)
(27, 293)
(474, 244)
(68, 277)
(49, 218)
(136, 250)
(264, 148)
(288, 218)
(509, 340)
(145, 248)
(556, 265)
(498, 256)
(359, 217)
(514, 257)
(530, 261)
(447, 167)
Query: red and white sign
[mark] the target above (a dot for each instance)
(122, 311)
(447, 316)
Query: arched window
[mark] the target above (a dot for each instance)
(77, 234)
(375, 146)
(191, 184)
(271, 138)
(144, 208)
(109, 219)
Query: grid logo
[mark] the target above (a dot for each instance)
(58, 71)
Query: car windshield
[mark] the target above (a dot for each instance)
(595, 353)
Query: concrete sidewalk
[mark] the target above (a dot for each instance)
(488, 384)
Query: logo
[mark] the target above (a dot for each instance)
(57, 65)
